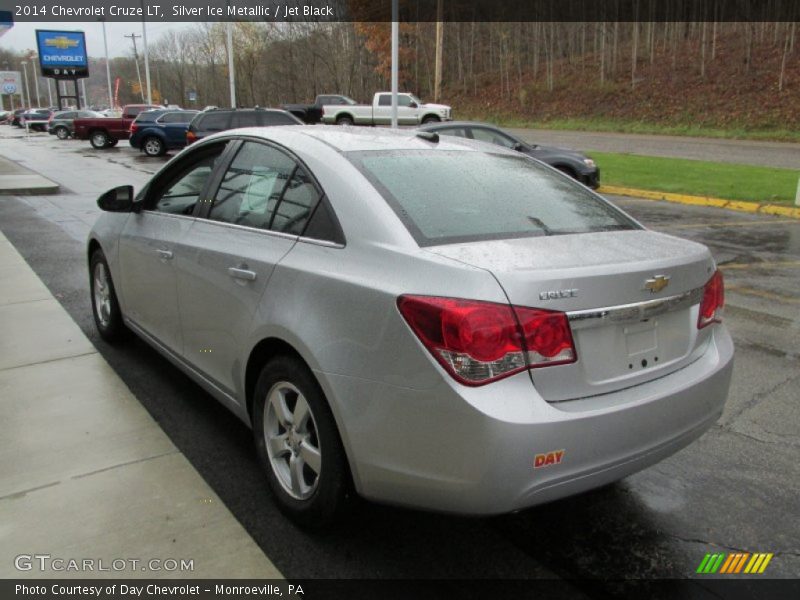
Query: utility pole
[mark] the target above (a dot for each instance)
(133, 37)
(85, 99)
(49, 92)
(437, 78)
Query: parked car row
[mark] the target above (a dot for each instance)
(155, 130)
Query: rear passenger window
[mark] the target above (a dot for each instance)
(252, 186)
(293, 210)
(214, 122)
(276, 118)
(384, 100)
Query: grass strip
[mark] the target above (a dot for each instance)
(698, 177)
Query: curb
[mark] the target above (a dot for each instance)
(740, 205)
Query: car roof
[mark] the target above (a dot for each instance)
(449, 124)
(361, 139)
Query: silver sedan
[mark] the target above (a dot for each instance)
(428, 322)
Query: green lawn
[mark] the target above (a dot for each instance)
(697, 177)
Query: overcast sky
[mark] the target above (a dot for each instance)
(23, 37)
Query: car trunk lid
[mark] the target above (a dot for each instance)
(632, 298)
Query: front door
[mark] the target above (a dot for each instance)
(151, 242)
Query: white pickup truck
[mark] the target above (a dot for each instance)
(410, 111)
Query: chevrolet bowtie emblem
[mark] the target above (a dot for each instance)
(61, 42)
(656, 283)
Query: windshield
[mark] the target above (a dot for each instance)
(461, 196)
(415, 99)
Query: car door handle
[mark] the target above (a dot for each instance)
(164, 254)
(245, 274)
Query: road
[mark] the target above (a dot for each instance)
(750, 152)
(734, 489)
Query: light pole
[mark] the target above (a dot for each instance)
(395, 59)
(231, 73)
(24, 64)
(108, 66)
(146, 60)
(49, 92)
(35, 80)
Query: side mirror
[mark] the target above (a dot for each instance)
(119, 199)
(413, 104)
(519, 147)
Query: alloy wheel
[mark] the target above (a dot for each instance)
(292, 442)
(102, 295)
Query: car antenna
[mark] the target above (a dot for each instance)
(430, 136)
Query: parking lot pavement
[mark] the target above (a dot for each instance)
(85, 472)
(746, 152)
(735, 489)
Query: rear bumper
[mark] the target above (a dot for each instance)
(592, 179)
(472, 450)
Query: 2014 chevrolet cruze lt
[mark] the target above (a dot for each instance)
(431, 322)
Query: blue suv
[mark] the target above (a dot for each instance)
(156, 131)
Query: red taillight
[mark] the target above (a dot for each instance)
(133, 128)
(713, 301)
(190, 137)
(478, 342)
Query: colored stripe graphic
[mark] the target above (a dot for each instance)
(734, 563)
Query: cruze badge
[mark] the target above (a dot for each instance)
(556, 294)
(656, 283)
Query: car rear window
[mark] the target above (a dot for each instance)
(461, 196)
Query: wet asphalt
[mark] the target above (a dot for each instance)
(735, 489)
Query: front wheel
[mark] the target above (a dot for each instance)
(62, 133)
(430, 119)
(298, 443)
(105, 306)
(153, 147)
(99, 139)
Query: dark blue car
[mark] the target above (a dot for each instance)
(156, 131)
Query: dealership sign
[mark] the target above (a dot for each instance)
(10, 82)
(62, 54)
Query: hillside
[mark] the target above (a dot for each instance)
(669, 94)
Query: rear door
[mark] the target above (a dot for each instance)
(175, 125)
(261, 205)
(151, 242)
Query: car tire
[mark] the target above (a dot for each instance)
(344, 120)
(431, 119)
(99, 139)
(298, 444)
(62, 133)
(105, 306)
(153, 146)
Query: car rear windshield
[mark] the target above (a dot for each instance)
(462, 196)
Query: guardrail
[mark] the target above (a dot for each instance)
(34, 122)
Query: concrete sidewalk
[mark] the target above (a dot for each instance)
(85, 472)
(16, 180)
